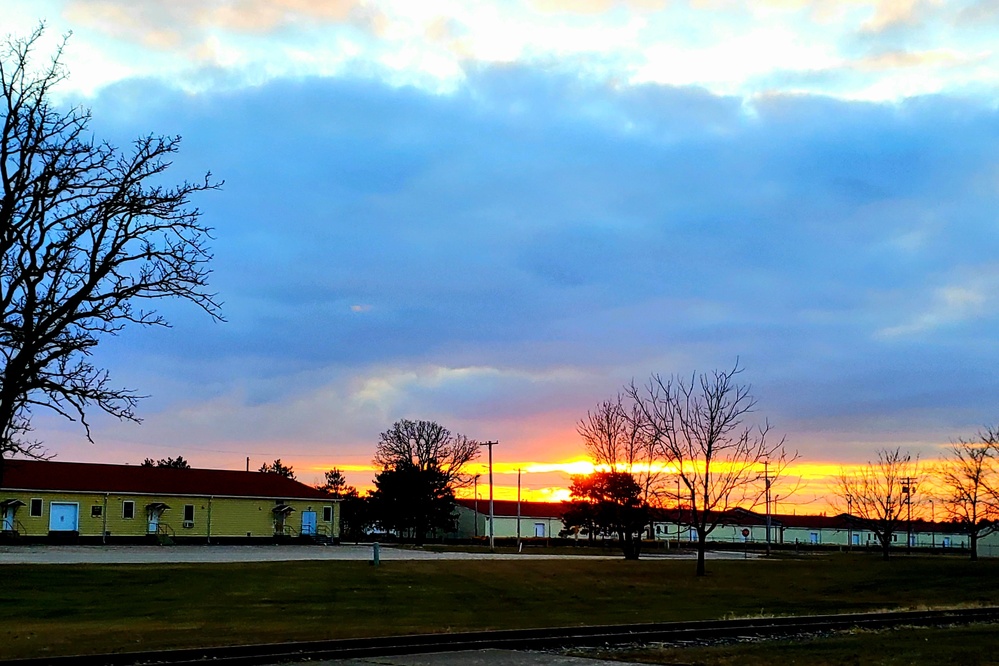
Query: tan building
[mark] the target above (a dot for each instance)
(97, 503)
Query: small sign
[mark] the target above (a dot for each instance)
(745, 532)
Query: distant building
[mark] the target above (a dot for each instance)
(537, 519)
(96, 503)
(544, 519)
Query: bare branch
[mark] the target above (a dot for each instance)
(426, 445)
(699, 428)
(877, 493)
(970, 478)
(86, 236)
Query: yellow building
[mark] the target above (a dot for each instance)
(96, 503)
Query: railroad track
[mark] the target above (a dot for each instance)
(522, 639)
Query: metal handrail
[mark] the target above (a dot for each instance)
(285, 530)
(165, 529)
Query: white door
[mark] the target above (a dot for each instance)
(154, 521)
(539, 529)
(8, 519)
(64, 517)
(308, 522)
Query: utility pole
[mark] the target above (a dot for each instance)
(518, 509)
(907, 483)
(766, 480)
(492, 516)
(849, 522)
(933, 526)
(475, 491)
(679, 507)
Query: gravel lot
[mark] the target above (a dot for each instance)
(269, 553)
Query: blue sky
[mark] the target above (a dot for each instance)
(496, 214)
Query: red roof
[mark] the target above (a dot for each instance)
(508, 508)
(99, 478)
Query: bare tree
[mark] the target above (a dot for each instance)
(879, 492)
(426, 445)
(699, 429)
(616, 436)
(970, 479)
(87, 233)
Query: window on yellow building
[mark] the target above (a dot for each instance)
(327, 514)
(128, 509)
(36, 507)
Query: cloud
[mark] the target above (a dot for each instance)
(949, 306)
(532, 241)
(166, 25)
(909, 59)
(595, 6)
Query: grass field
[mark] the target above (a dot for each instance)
(92, 608)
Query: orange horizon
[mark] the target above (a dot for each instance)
(810, 487)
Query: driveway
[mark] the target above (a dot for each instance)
(38, 554)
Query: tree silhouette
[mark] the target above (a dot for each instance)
(970, 479)
(611, 502)
(699, 429)
(277, 468)
(877, 493)
(426, 445)
(90, 239)
(411, 500)
(176, 463)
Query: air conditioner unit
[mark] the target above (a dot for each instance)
(188, 523)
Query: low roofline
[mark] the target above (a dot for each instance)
(144, 493)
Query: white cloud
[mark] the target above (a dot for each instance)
(726, 47)
(947, 306)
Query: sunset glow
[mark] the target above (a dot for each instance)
(495, 215)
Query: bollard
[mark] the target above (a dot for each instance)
(374, 555)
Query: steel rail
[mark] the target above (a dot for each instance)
(520, 639)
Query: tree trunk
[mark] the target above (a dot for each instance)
(973, 544)
(419, 534)
(702, 546)
(885, 547)
(630, 545)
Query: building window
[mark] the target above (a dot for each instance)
(96, 511)
(813, 537)
(188, 515)
(128, 509)
(327, 514)
(36, 508)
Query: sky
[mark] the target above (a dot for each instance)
(496, 214)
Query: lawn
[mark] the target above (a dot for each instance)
(62, 609)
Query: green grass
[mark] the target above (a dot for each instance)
(90, 608)
(955, 646)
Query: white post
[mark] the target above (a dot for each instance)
(518, 509)
(492, 515)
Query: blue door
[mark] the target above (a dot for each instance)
(308, 523)
(64, 517)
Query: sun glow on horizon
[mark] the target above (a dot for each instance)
(801, 487)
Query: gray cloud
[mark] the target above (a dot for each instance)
(565, 237)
